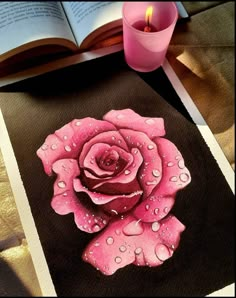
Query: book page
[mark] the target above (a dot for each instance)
(23, 22)
(86, 17)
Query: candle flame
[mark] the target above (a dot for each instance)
(148, 17)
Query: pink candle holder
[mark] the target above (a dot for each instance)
(146, 51)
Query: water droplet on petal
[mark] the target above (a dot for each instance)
(104, 222)
(65, 137)
(117, 232)
(77, 123)
(184, 177)
(170, 164)
(110, 240)
(68, 148)
(96, 228)
(133, 228)
(96, 244)
(74, 145)
(150, 147)
(156, 210)
(118, 260)
(181, 164)
(122, 248)
(155, 226)
(61, 184)
(173, 179)
(147, 207)
(138, 250)
(166, 209)
(44, 147)
(162, 252)
(127, 172)
(54, 147)
(64, 194)
(151, 182)
(150, 121)
(135, 151)
(156, 173)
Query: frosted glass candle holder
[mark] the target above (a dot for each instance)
(146, 51)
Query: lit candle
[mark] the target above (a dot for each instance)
(148, 18)
(145, 24)
(147, 31)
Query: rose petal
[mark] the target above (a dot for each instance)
(154, 208)
(175, 174)
(175, 177)
(145, 244)
(66, 201)
(67, 170)
(123, 203)
(127, 118)
(151, 170)
(67, 142)
(100, 198)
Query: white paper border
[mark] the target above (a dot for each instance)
(23, 207)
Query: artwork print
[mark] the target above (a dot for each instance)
(119, 176)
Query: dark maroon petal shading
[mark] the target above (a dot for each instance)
(65, 200)
(175, 177)
(101, 198)
(127, 241)
(67, 142)
(150, 173)
(127, 118)
(123, 204)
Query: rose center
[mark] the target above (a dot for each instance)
(109, 160)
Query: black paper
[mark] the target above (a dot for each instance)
(33, 109)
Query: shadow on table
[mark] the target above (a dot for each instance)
(10, 284)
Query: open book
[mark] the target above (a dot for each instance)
(37, 37)
(36, 29)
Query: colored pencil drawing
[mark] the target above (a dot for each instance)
(119, 176)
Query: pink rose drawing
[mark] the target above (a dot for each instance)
(119, 176)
